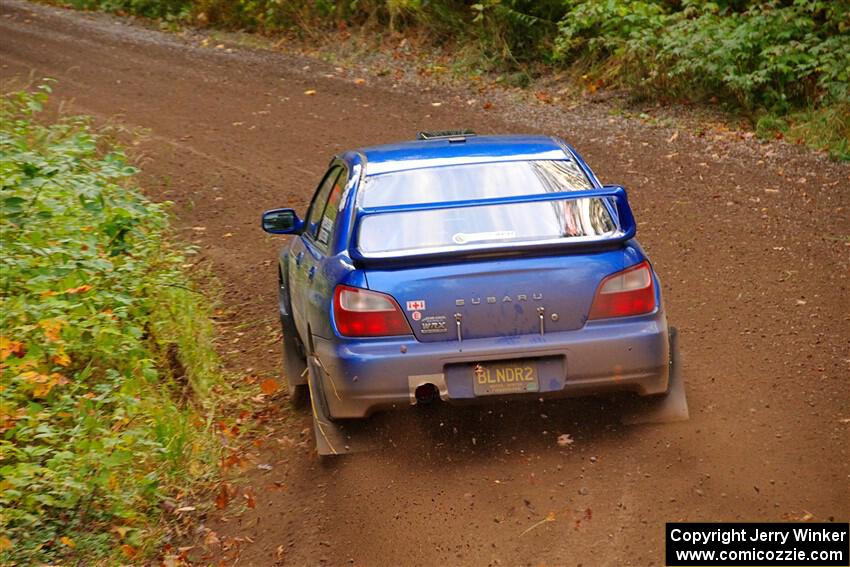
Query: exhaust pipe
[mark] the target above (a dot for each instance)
(426, 394)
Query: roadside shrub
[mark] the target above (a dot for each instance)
(103, 407)
(779, 62)
(771, 55)
(165, 9)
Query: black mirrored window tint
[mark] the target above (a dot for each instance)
(317, 207)
(331, 210)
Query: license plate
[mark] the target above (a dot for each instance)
(505, 377)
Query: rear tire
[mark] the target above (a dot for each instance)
(294, 358)
(294, 368)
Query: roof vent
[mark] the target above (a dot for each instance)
(453, 136)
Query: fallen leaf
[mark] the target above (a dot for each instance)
(565, 440)
(550, 517)
(268, 387)
(436, 104)
(250, 501)
(128, 550)
(228, 234)
(5, 543)
(359, 81)
(211, 539)
(310, 92)
(804, 517)
(65, 540)
(222, 498)
(121, 530)
(487, 105)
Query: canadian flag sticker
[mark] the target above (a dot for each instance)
(416, 305)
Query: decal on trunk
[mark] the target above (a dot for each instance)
(416, 305)
(434, 324)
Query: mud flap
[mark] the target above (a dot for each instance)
(332, 437)
(662, 409)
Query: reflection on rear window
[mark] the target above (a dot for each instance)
(474, 181)
(481, 225)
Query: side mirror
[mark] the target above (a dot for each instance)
(282, 221)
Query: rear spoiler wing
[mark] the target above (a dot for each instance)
(615, 199)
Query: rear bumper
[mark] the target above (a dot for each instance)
(360, 377)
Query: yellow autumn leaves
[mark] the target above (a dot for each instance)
(70, 291)
(8, 347)
(52, 328)
(42, 381)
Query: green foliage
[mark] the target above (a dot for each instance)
(768, 55)
(106, 359)
(606, 29)
(165, 9)
(771, 59)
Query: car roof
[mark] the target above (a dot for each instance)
(417, 154)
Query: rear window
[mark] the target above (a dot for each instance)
(480, 225)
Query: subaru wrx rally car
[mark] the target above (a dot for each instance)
(464, 268)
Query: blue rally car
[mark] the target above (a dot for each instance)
(462, 267)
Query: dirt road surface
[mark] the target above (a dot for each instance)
(750, 241)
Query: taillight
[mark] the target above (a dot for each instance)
(630, 292)
(363, 313)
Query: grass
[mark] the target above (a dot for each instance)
(109, 379)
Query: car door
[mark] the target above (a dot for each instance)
(302, 265)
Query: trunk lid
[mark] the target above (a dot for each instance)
(498, 297)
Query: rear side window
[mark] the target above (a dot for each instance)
(433, 230)
(320, 200)
(331, 210)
